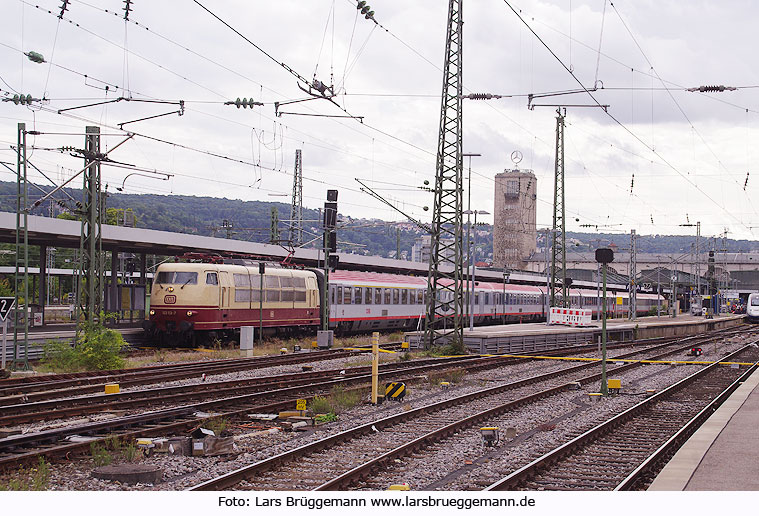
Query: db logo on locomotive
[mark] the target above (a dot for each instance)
(170, 299)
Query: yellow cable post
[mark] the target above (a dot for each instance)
(375, 366)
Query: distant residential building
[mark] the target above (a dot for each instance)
(420, 252)
(514, 229)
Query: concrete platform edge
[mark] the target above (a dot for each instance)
(679, 470)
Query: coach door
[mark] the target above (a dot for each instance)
(225, 292)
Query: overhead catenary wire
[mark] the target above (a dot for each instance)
(620, 124)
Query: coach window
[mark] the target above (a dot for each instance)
(476, 298)
(212, 278)
(420, 297)
(357, 295)
(395, 296)
(412, 297)
(339, 295)
(377, 296)
(387, 296)
(404, 296)
(346, 295)
(368, 295)
(487, 298)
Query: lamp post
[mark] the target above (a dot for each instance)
(471, 263)
(604, 257)
(468, 212)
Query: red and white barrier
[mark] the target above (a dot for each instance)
(571, 316)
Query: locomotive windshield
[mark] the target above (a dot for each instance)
(177, 278)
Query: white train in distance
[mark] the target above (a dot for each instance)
(194, 302)
(752, 308)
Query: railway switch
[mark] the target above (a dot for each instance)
(489, 435)
(395, 391)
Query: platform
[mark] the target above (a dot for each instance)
(518, 338)
(723, 455)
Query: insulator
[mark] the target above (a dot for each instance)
(245, 102)
(481, 96)
(35, 57)
(365, 9)
(369, 15)
(16, 99)
(238, 102)
(361, 4)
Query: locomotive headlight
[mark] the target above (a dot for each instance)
(152, 312)
(170, 289)
(189, 313)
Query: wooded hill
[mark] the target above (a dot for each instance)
(251, 221)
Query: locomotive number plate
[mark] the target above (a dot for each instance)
(170, 299)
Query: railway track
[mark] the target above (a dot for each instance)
(340, 460)
(23, 389)
(627, 451)
(47, 405)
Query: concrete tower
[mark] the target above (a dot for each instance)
(514, 231)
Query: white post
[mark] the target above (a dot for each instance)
(5, 340)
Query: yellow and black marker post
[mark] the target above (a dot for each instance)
(395, 391)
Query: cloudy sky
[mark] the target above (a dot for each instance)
(660, 157)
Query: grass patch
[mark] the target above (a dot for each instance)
(451, 375)
(36, 478)
(342, 399)
(217, 425)
(320, 405)
(100, 454)
(329, 417)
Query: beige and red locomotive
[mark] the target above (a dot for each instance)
(207, 300)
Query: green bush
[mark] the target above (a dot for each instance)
(99, 347)
(60, 356)
(96, 348)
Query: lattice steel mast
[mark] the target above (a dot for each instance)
(20, 316)
(559, 252)
(633, 272)
(296, 210)
(445, 286)
(90, 302)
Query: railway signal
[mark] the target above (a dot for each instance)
(604, 256)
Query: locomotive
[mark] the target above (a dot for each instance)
(196, 302)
